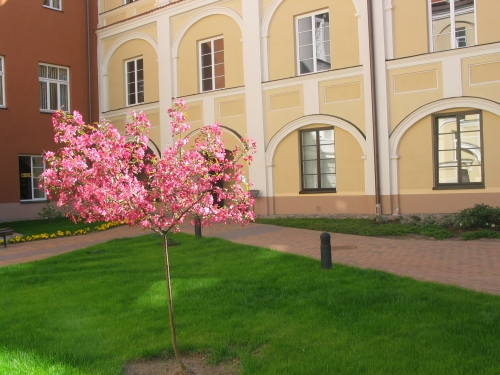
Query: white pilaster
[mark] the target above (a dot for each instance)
(165, 79)
(208, 110)
(252, 65)
(452, 73)
(311, 97)
(389, 30)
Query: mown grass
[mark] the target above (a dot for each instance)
(31, 227)
(91, 311)
(361, 227)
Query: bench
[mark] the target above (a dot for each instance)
(4, 232)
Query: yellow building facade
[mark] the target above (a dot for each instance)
(357, 106)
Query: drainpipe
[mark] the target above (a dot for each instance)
(378, 203)
(88, 62)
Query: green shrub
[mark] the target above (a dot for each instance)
(481, 216)
(50, 213)
(482, 233)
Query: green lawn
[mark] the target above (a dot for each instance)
(31, 227)
(91, 311)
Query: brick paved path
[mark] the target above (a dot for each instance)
(469, 264)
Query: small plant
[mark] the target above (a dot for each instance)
(380, 219)
(481, 216)
(49, 212)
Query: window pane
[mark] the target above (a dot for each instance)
(448, 175)
(131, 66)
(447, 157)
(474, 173)
(53, 96)
(464, 23)
(220, 82)
(305, 24)
(207, 85)
(327, 166)
(131, 77)
(25, 177)
(63, 74)
(53, 72)
(64, 97)
(441, 25)
(469, 122)
(306, 52)
(327, 151)
(1, 90)
(470, 157)
(219, 45)
(131, 99)
(447, 125)
(56, 4)
(206, 60)
(309, 153)
(46, 2)
(328, 181)
(219, 70)
(326, 136)
(139, 65)
(42, 71)
(131, 88)
(305, 38)
(322, 20)
(219, 57)
(447, 141)
(140, 87)
(140, 75)
(37, 161)
(43, 95)
(310, 167)
(470, 140)
(306, 66)
(206, 72)
(140, 97)
(310, 182)
(206, 48)
(308, 138)
(37, 193)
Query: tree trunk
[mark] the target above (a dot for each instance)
(170, 308)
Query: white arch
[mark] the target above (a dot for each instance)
(198, 16)
(126, 38)
(441, 105)
(309, 120)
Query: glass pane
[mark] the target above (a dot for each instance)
(1, 90)
(42, 71)
(219, 45)
(447, 157)
(328, 181)
(207, 85)
(219, 70)
(309, 138)
(305, 38)
(43, 95)
(327, 151)
(206, 48)
(53, 96)
(323, 65)
(140, 86)
(63, 74)
(447, 141)
(441, 25)
(46, 2)
(131, 99)
(305, 24)
(448, 175)
(470, 140)
(306, 66)
(53, 72)
(140, 97)
(37, 161)
(64, 97)
(310, 181)
(447, 125)
(306, 52)
(474, 173)
(464, 23)
(131, 66)
(206, 60)
(206, 72)
(131, 77)
(220, 82)
(322, 20)
(309, 153)
(37, 193)
(469, 122)
(327, 166)
(219, 57)
(56, 4)
(131, 88)
(310, 167)
(140, 75)
(326, 136)
(140, 64)
(470, 157)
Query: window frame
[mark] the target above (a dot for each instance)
(458, 150)
(297, 42)
(59, 83)
(127, 95)
(319, 190)
(44, 199)
(212, 54)
(453, 36)
(128, 1)
(51, 6)
(2, 83)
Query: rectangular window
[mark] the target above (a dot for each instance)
(458, 150)
(212, 73)
(313, 43)
(30, 169)
(54, 88)
(453, 24)
(2, 83)
(53, 4)
(318, 167)
(135, 81)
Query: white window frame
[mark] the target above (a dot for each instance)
(60, 83)
(2, 82)
(452, 26)
(297, 42)
(44, 198)
(212, 54)
(137, 102)
(52, 6)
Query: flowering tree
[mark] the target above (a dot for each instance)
(95, 178)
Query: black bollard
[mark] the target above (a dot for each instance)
(326, 251)
(197, 227)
